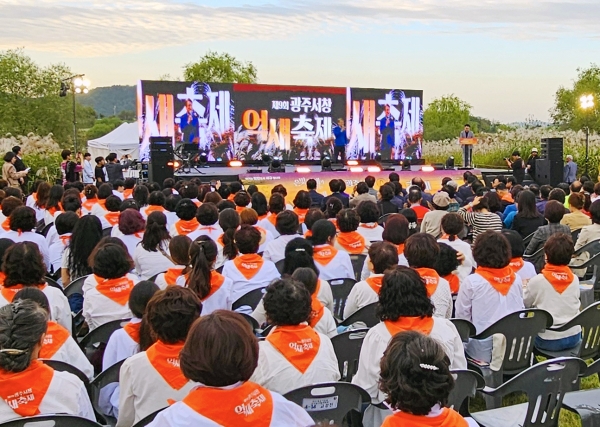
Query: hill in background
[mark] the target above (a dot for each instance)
(110, 101)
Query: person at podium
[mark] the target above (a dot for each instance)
(467, 132)
(467, 148)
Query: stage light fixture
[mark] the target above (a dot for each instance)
(450, 162)
(174, 164)
(352, 163)
(405, 164)
(427, 169)
(303, 169)
(235, 164)
(374, 169)
(276, 165)
(266, 159)
(203, 158)
(356, 169)
(377, 157)
(326, 164)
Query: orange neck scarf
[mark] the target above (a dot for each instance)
(301, 214)
(308, 234)
(172, 274)
(112, 218)
(2, 279)
(298, 344)
(89, 204)
(216, 281)
(370, 226)
(154, 208)
(400, 248)
(55, 337)
(454, 282)
(431, 279)
(501, 279)
(24, 391)
(6, 224)
(419, 324)
(102, 203)
(261, 217)
(165, 359)
(317, 307)
(186, 227)
(559, 276)
(324, 254)
(133, 330)
(448, 418)
(128, 193)
(248, 405)
(117, 290)
(272, 218)
(9, 292)
(516, 264)
(352, 242)
(65, 238)
(249, 264)
(374, 283)
(239, 209)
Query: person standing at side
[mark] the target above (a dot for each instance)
(113, 168)
(341, 140)
(570, 171)
(99, 171)
(20, 166)
(88, 169)
(530, 165)
(517, 165)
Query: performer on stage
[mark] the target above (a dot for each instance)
(467, 149)
(388, 137)
(341, 140)
(189, 123)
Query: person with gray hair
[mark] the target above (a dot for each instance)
(570, 170)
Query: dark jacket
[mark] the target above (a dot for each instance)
(345, 201)
(316, 198)
(114, 171)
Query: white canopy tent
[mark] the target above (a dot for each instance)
(123, 140)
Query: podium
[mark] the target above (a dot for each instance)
(467, 146)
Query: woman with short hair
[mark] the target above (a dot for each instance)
(576, 219)
(9, 172)
(349, 239)
(22, 229)
(332, 263)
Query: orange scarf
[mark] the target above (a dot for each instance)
(24, 391)
(501, 279)
(89, 204)
(506, 197)
(516, 264)
(272, 218)
(172, 274)
(248, 405)
(249, 264)
(400, 248)
(334, 223)
(448, 418)
(403, 324)
(559, 276)
(65, 239)
(112, 218)
(55, 209)
(298, 344)
(127, 193)
(301, 214)
(55, 337)
(352, 242)
(239, 209)
(454, 282)
(261, 217)
(186, 227)
(308, 234)
(431, 279)
(165, 359)
(154, 208)
(324, 254)
(102, 203)
(370, 226)
(133, 330)
(2, 279)
(6, 224)
(117, 290)
(317, 307)
(216, 281)
(230, 197)
(9, 292)
(374, 283)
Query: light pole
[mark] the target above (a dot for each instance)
(587, 103)
(76, 84)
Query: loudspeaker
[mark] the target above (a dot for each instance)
(552, 149)
(548, 172)
(161, 153)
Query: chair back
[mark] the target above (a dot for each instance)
(347, 350)
(46, 229)
(575, 235)
(340, 288)
(465, 329)
(51, 421)
(589, 320)
(65, 367)
(358, 261)
(251, 321)
(148, 419)
(106, 232)
(153, 278)
(537, 259)
(466, 384)
(527, 239)
(366, 315)
(279, 265)
(110, 376)
(39, 226)
(328, 403)
(382, 219)
(250, 299)
(53, 283)
(100, 335)
(520, 330)
(75, 287)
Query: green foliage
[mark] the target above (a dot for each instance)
(103, 127)
(481, 124)
(43, 166)
(127, 116)
(445, 117)
(109, 101)
(567, 111)
(220, 68)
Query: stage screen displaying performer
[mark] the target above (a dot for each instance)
(245, 121)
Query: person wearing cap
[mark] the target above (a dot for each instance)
(518, 167)
(530, 165)
(432, 221)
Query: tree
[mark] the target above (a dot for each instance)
(220, 68)
(103, 127)
(445, 117)
(567, 112)
(126, 116)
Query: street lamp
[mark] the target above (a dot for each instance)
(587, 103)
(76, 84)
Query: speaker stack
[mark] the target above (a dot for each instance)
(549, 168)
(161, 152)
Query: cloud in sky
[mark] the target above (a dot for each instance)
(100, 28)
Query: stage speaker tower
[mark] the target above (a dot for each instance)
(161, 152)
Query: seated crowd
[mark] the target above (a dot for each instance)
(192, 266)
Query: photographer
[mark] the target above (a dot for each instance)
(517, 165)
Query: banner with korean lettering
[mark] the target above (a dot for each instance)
(245, 121)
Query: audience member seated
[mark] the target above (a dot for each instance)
(315, 197)
(53, 205)
(524, 269)
(287, 225)
(250, 217)
(211, 287)
(222, 372)
(554, 213)
(382, 256)
(37, 203)
(58, 343)
(416, 377)
(480, 218)
(312, 216)
(151, 255)
(111, 216)
(415, 200)
(9, 204)
(446, 265)
(362, 195)
(248, 271)
(432, 220)
(403, 306)
(332, 264)
(151, 379)
(335, 186)
(576, 219)
(22, 329)
(348, 239)
(71, 203)
(528, 219)
(452, 227)
(492, 292)
(156, 203)
(208, 218)
(229, 221)
(106, 292)
(260, 205)
(421, 251)
(129, 185)
(64, 224)
(385, 204)
(179, 248)
(4, 245)
(22, 229)
(189, 190)
(130, 229)
(294, 354)
(276, 205)
(332, 208)
(556, 290)
(171, 202)
(395, 232)
(86, 235)
(241, 200)
(186, 212)
(104, 191)
(302, 203)
(588, 234)
(321, 319)
(369, 228)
